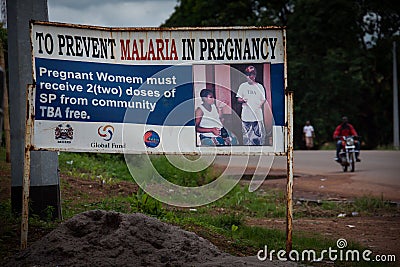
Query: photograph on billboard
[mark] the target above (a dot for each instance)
(235, 103)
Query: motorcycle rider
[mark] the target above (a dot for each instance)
(345, 129)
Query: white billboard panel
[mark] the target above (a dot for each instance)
(154, 90)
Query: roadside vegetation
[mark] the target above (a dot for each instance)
(329, 56)
(224, 222)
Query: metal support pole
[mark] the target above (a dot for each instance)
(289, 184)
(395, 100)
(27, 164)
(44, 179)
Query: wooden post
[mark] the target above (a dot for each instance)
(6, 113)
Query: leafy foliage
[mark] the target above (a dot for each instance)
(142, 202)
(212, 13)
(339, 57)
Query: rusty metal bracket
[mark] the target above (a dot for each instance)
(289, 184)
(27, 163)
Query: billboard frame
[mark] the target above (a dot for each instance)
(288, 122)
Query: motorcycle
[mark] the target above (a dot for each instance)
(347, 155)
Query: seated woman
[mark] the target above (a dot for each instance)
(209, 125)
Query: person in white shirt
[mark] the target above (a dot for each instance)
(308, 135)
(251, 95)
(209, 124)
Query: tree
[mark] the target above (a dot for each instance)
(339, 56)
(212, 13)
(322, 46)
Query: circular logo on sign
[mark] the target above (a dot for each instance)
(106, 132)
(151, 139)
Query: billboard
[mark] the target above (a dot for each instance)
(159, 90)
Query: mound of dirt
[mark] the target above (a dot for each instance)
(101, 238)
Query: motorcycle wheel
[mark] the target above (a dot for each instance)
(352, 160)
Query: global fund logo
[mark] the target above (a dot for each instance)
(106, 132)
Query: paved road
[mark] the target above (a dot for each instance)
(381, 167)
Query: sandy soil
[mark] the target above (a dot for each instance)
(101, 238)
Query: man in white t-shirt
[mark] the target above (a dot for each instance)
(308, 134)
(251, 95)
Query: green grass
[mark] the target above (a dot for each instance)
(223, 218)
(258, 204)
(181, 177)
(366, 205)
(8, 229)
(234, 207)
(371, 204)
(158, 165)
(114, 167)
(92, 166)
